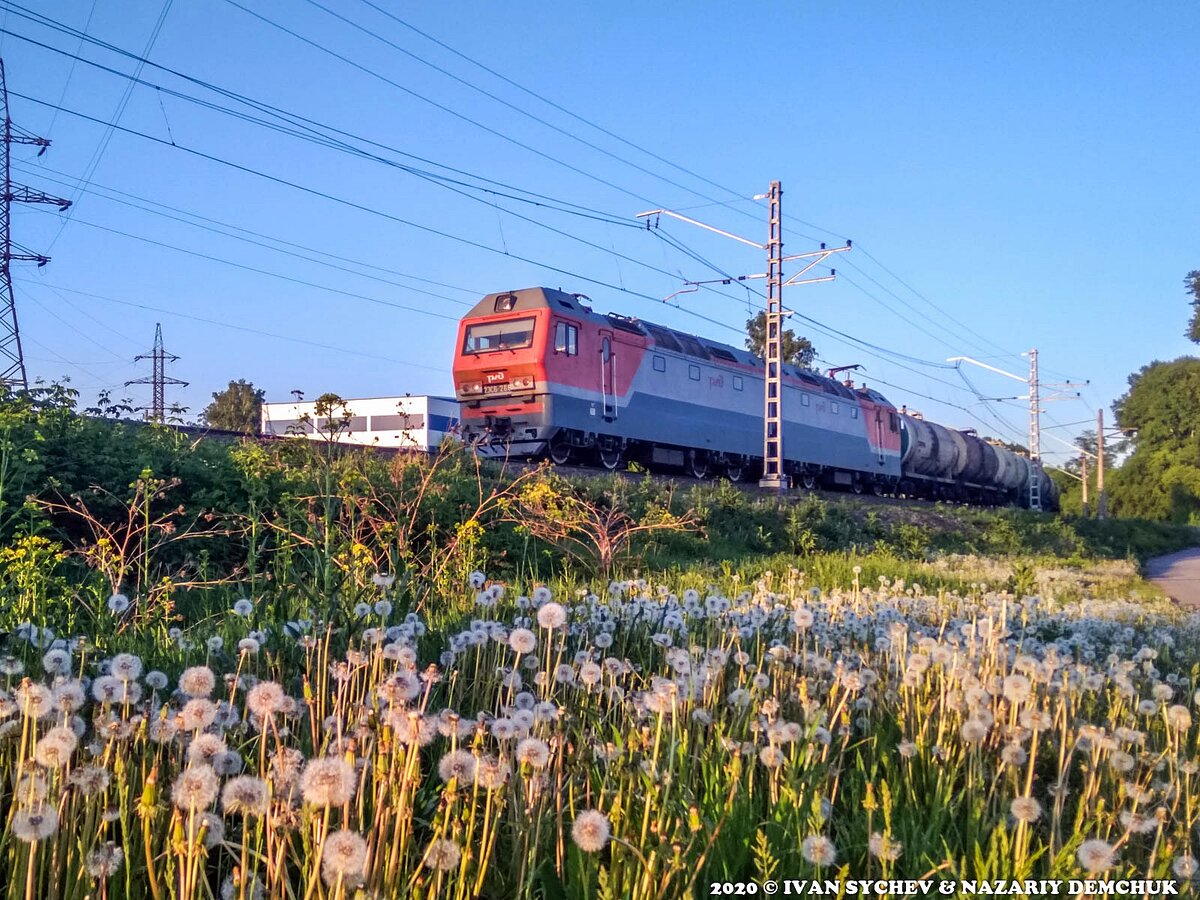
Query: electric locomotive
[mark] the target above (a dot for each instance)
(538, 372)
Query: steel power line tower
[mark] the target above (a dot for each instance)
(774, 475)
(12, 358)
(158, 380)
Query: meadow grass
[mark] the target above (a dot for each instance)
(641, 738)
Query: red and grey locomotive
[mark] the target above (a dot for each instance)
(538, 372)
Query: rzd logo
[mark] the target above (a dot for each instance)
(493, 377)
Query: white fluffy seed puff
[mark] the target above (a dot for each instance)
(591, 831)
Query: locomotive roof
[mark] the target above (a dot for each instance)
(659, 335)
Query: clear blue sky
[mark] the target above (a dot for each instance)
(1029, 169)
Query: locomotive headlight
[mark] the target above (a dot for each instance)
(471, 387)
(522, 383)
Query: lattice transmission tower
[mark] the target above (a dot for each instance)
(158, 380)
(12, 358)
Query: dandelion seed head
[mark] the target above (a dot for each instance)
(91, 780)
(819, 850)
(195, 788)
(265, 698)
(1096, 856)
(198, 681)
(522, 641)
(591, 831)
(551, 615)
(57, 662)
(458, 764)
(105, 860)
(1185, 866)
(533, 752)
(245, 795)
(442, 855)
(35, 823)
(343, 858)
(771, 756)
(492, 773)
(126, 667)
(55, 747)
(328, 781)
(1025, 809)
(34, 700)
(884, 847)
(117, 604)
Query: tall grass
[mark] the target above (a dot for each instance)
(642, 740)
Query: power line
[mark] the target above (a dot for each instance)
(62, 97)
(446, 109)
(94, 162)
(135, 201)
(312, 130)
(556, 106)
(214, 230)
(246, 329)
(512, 106)
(343, 201)
(279, 275)
(445, 183)
(259, 105)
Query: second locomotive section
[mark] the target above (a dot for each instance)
(538, 372)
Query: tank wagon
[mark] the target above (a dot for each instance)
(538, 372)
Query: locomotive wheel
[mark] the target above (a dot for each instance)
(735, 472)
(857, 486)
(559, 453)
(611, 458)
(809, 481)
(697, 465)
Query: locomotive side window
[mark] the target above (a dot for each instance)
(566, 339)
(738, 384)
(833, 407)
(893, 422)
(660, 363)
(805, 400)
(854, 412)
(694, 373)
(514, 334)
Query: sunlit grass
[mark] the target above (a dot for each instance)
(637, 739)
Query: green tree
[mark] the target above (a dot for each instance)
(1161, 410)
(798, 351)
(237, 408)
(1192, 283)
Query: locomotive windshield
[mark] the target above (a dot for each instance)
(513, 334)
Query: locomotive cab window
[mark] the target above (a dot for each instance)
(694, 373)
(515, 334)
(566, 339)
(660, 363)
(893, 422)
(738, 384)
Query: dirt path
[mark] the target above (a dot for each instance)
(1179, 575)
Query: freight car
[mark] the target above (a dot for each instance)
(539, 373)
